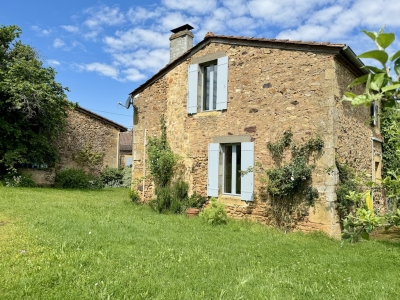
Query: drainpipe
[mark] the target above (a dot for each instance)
(118, 139)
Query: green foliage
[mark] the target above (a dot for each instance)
(72, 179)
(379, 84)
(390, 129)
(134, 196)
(360, 225)
(196, 201)
(391, 183)
(348, 190)
(393, 219)
(215, 213)
(32, 104)
(277, 148)
(172, 199)
(87, 157)
(289, 185)
(18, 180)
(162, 161)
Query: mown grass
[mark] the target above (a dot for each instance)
(64, 244)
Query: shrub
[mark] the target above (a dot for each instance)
(196, 201)
(172, 199)
(72, 178)
(19, 180)
(112, 177)
(215, 214)
(134, 196)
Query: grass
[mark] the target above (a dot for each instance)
(64, 244)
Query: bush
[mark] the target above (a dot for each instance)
(112, 177)
(196, 201)
(19, 180)
(171, 199)
(134, 196)
(72, 179)
(214, 214)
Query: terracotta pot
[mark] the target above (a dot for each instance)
(192, 212)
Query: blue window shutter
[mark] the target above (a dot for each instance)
(247, 181)
(213, 166)
(193, 74)
(222, 83)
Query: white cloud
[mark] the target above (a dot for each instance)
(41, 31)
(136, 38)
(236, 7)
(195, 6)
(100, 68)
(132, 74)
(70, 28)
(140, 14)
(53, 62)
(143, 59)
(104, 16)
(58, 43)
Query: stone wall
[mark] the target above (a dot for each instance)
(83, 132)
(269, 91)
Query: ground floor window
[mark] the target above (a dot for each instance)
(225, 163)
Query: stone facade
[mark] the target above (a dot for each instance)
(85, 132)
(271, 88)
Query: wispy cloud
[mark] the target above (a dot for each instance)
(41, 31)
(196, 6)
(70, 28)
(58, 43)
(101, 68)
(104, 15)
(53, 62)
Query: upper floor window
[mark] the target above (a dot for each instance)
(208, 86)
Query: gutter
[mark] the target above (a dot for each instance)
(354, 59)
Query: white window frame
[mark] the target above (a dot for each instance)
(202, 83)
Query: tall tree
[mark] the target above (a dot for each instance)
(32, 104)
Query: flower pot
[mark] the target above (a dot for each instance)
(192, 212)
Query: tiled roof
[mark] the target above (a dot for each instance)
(276, 43)
(125, 141)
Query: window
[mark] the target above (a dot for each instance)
(208, 86)
(225, 163)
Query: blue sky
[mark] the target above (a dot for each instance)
(102, 50)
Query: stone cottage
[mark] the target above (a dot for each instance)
(225, 98)
(90, 142)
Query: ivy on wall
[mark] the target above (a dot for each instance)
(88, 157)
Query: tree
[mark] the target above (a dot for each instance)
(32, 104)
(379, 84)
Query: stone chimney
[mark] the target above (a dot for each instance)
(180, 41)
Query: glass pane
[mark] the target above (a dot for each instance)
(228, 170)
(238, 168)
(215, 68)
(206, 90)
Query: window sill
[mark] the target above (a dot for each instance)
(231, 200)
(207, 114)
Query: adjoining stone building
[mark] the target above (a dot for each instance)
(227, 96)
(90, 142)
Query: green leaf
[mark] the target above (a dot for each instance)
(377, 81)
(361, 99)
(350, 95)
(396, 66)
(358, 80)
(365, 235)
(371, 34)
(391, 87)
(368, 85)
(373, 69)
(379, 55)
(385, 39)
(394, 56)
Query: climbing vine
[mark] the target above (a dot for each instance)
(88, 157)
(289, 185)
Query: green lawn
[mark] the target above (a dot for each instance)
(63, 244)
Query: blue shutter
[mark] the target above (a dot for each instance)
(193, 74)
(213, 166)
(222, 83)
(247, 181)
